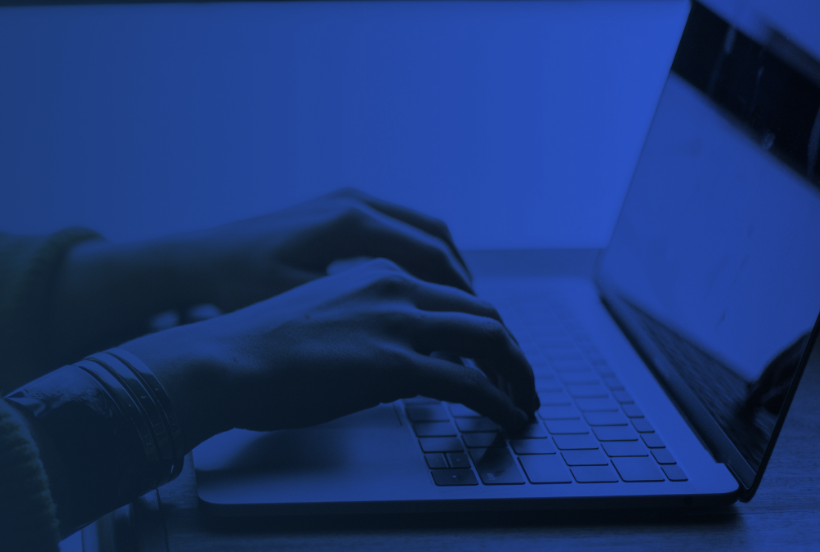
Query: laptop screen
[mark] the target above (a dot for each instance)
(714, 266)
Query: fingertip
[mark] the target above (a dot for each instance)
(520, 420)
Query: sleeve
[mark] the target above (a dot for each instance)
(28, 521)
(28, 267)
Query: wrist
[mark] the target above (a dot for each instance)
(193, 379)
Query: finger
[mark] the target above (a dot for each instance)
(484, 340)
(455, 359)
(451, 382)
(431, 225)
(437, 298)
(366, 232)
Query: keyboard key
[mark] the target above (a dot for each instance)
(622, 397)
(472, 425)
(483, 440)
(545, 469)
(458, 460)
(532, 317)
(613, 384)
(539, 364)
(637, 469)
(559, 413)
(625, 448)
(586, 346)
(564, 366)
(495, 466)
(553, 398)
(450, 478)
(663, 456)
(547, 329)
(575, 442)
(587, 391)
(615, 433)
(594, 474)
(652, 440)
(674, 473)
(532, 446)
(585, 458)
(427, 413)
(642, 425)
(440, 444)
(555, 343)
(576, 378)
(566, 427)
(434, 429)
(459, 410)
(632, 411)
(564, 355)
(420, 400)
(435, 461)
(603, 370)
(605, 419)
(547, 386)
(596, 405)
(533, 431)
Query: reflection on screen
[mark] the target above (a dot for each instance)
(716, 257)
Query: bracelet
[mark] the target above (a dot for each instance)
(143, 384)
(114, 427)
(134, 411)
(102, 455)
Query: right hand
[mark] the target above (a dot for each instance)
(338, 345)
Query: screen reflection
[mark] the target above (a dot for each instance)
(715, 261)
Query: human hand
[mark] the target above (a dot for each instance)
(336, 346)
(238, 264)
(106, 293)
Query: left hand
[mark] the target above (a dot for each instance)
(106, 293)
(241, 263)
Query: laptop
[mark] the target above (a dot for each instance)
(664, 378)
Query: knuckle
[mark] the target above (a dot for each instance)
(352, 216)
(347, 192)
(488, 308)
(440, 255)
(384, 265)
(391, 283)
(440, 226)
(493, 331)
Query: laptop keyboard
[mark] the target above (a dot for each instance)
(588, 429)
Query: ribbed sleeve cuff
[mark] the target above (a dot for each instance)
(28, 521)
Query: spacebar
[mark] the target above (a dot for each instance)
(495, 466)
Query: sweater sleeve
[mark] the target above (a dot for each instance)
(28, 268)
(28, 521)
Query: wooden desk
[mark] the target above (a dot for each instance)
(785, 512)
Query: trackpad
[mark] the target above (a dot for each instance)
(323, 447)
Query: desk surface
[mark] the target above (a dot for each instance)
(786, 509)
